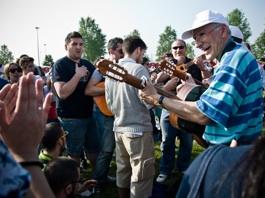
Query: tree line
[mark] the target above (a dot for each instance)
(95, 40)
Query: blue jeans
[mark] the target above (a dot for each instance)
(107, 145)
(82, 134)
(169, 134)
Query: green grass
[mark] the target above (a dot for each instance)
(110, 190)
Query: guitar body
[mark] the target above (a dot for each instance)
(189, 93)
(101, 102)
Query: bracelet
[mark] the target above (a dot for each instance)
(160, 101)
(33, 163)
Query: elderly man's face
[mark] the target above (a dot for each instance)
(210, 39)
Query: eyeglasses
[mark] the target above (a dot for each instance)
(120, 51)
(178, 47)
(64, 135)
(202, 35)
(74, 182)
(19, 70)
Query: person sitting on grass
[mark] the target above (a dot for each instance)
(53, 142)
(63, 176)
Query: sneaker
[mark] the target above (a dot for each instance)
(111, 179)
(161, 178)
(86, 193)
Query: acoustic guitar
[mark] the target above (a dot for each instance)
(101, 102)
(185, 66)
(118, 73)
(189, 92)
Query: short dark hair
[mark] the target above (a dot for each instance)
(131, 43)
(23, 61)
(113, 43)
(145, 60)
(72, 35)
(60, 172)
(181, 40)
(53, 132)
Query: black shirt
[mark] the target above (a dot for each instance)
(77, 105)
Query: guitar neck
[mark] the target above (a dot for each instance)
(118, 73)
(166, 93)
(187, 65)
(140, 84)
(184, 76)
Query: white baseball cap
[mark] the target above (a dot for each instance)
(236, 32)
(204, 18)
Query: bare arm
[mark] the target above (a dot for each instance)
(92, 89)
(65, 89)
(161, 77)
(184, 109)
(23, 128)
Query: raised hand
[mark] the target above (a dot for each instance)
(81, 71)
(23, 129)
(8, 97)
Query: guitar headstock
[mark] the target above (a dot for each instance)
(171, 70)
(112, 70)
(118, 73)
(167, 67)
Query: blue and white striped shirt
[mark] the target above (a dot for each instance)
(233, 100)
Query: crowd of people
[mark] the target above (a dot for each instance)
(50, 123)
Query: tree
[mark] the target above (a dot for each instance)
(258, 48)
(5, 55)
(190, 51)
(94, 39)
(48, 60)
(133, 33)
(165, 41)
(238, 19)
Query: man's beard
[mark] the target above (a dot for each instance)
(72, 193)
(63, 148)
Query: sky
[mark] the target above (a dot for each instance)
(116, 18)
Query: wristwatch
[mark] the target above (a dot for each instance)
(160, 101)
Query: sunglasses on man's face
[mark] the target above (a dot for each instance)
(178, 47)
(19, 70)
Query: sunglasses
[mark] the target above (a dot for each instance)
(19, 70)
(120, 51)
(178, 47)
(64, 135)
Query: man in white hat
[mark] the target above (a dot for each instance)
(231, 107)
(236, 34)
